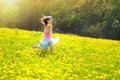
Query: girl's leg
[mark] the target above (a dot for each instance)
(36, 46)
(51, 46)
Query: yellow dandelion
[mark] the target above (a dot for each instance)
(111, 65)
(118, 72)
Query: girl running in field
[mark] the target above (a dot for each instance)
(47, 37)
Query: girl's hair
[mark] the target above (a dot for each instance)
(45, 19)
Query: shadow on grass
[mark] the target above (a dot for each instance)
(43, 53)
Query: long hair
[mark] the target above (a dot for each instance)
(45, 20)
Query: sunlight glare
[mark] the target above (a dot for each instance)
(10, 1)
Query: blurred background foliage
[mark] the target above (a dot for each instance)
(94, 18)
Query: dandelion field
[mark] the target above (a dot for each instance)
(74, 57)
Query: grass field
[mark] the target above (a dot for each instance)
(74, 57)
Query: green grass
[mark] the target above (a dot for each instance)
(74, 57)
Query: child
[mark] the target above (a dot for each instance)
(47, 38)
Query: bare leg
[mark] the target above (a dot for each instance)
(38, 46)
(51, 46)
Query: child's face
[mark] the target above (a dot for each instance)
(50, 21)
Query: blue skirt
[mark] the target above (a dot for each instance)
(45, 42)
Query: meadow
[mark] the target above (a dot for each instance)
(74, 57)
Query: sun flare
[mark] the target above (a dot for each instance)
(10, 1)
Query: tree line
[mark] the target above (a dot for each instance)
(94, 18)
